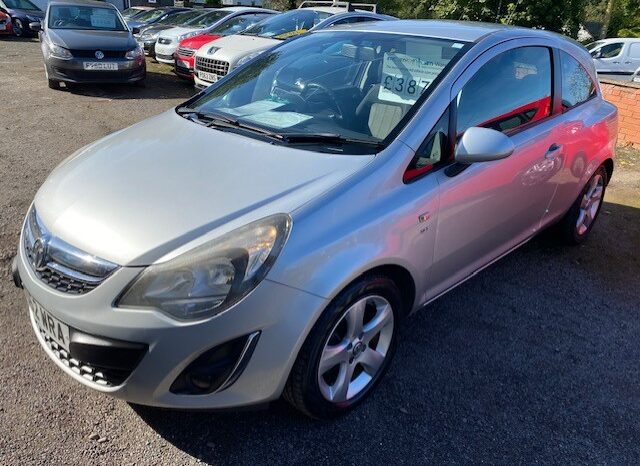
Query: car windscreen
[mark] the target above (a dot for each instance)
(208, 19)
(180, 18)
(21, 5)
(331, 86)
(288, 24)
(593, 45)
(150, 15)
(84, 17)
(238, 24)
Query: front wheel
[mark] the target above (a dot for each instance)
(348, 350)
(579, 220)
(53, 84)
(18, 28)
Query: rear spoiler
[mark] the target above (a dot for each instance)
(348, 6)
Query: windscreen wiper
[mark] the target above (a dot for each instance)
(329, 138)
(218, 120)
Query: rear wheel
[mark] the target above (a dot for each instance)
(579, 220)
(348, 350)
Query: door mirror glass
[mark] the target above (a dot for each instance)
(135, 30)
(483, 145)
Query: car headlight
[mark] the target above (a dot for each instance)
(212, 277)
(59, 52)
(149, 35)
(248, 58)
(187, 35)
(135, 53)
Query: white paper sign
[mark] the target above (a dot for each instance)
(405, 78)
(105, 21)
(279, 119)
(259, 106)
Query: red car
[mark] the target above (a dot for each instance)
(184, 57)
(5, 24)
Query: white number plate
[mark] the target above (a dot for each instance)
(56, 330)
(100, 66)
(210, 77)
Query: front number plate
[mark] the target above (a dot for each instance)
(52, 327)
(100, 66)
(209, 77)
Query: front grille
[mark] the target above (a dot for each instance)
(92, 53)
(59, 265)
(209, 65)
(164, 41)
(186, 52)
(61, 282)
(82, 369)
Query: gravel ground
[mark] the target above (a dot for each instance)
(534, 360)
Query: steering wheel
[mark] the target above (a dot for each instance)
(313, 88)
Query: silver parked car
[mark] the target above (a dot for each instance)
(269, 236)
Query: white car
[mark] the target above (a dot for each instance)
(168, 40)
(616, 58)
(216, 61)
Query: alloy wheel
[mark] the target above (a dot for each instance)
(356, 349)
(590, 204)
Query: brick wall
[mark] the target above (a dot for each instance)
(625, 96)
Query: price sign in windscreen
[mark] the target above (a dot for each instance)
(405, 78)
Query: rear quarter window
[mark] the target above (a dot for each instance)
(577, 85)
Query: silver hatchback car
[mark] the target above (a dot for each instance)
(268, 236)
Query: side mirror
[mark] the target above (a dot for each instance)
(35, 27)
(135, 31)
(483, 145)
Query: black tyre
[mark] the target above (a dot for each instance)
(53, 84)
(18, 28)
(348, 350)
(577, 223)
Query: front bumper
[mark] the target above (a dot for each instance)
(283, 316)
(73, 71)
(149, 47)
(184, 66)
(165, 52)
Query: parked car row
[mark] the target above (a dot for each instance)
(90, 41)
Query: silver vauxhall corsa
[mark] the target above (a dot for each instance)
(269, 236)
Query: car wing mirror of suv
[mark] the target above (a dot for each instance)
(483, 145)
(135, 30)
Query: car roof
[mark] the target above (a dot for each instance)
(82, 2)
(239, 8)
(465, 31)
(617, 39)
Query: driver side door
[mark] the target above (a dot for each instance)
(488, 208)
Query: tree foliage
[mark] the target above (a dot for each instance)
(563, 16)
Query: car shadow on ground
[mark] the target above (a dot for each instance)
(156, 86)
(513, 364)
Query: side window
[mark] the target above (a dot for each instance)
(509, 91)
(634, 51)
(350, 20)
(609, 50)
(577, 86)
(434, 150)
